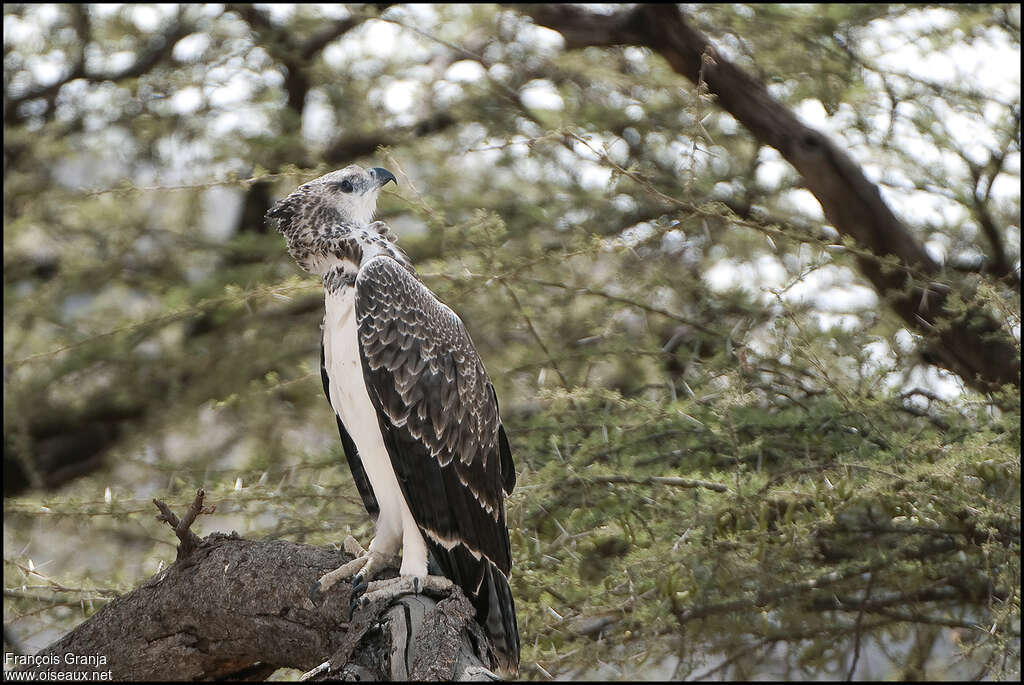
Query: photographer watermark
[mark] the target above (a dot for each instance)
(84, 667)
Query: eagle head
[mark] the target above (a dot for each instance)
(351, 191)
(327, 220)
(346, 196)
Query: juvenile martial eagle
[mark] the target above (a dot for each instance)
(417, 413)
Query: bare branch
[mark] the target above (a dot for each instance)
(240, 609)
(189, 540)
(971, 343)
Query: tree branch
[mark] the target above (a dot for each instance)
(158, 49)
(646, 480)
(321, 39)
(345, 149)
(293, 55)
(231, 608)
(971, 343)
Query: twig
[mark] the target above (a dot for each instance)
(857, 628)
(170, 317)
(230, 180)
(189, 540)
(649, 480)
(624, 300)
(769, 596)
(535, 334)
(702, 91)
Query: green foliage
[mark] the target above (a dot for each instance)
(732, 462)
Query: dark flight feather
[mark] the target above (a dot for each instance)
(438, 414)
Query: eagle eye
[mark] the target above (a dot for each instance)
(345, 186)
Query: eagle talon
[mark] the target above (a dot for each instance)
(357, 602)
(393, 588)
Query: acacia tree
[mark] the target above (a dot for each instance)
(761, 378)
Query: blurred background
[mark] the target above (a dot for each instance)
(656, 296)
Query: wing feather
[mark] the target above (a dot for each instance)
(438, 414)
(437, 407)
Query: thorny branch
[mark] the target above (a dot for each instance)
(649, 480)
(971, 342)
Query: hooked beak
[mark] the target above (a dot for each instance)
(382, 176)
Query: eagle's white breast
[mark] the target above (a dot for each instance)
(396, 528)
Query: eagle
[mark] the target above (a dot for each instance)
(417, 413)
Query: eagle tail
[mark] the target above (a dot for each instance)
(498, 617)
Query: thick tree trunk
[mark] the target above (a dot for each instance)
(969, 342)
(230, 608)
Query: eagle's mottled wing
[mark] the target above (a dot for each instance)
(439, 417)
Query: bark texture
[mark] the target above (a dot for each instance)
(231, 608)
(970, 342)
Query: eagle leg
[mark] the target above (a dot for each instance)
(364, 564)
(393, 588)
